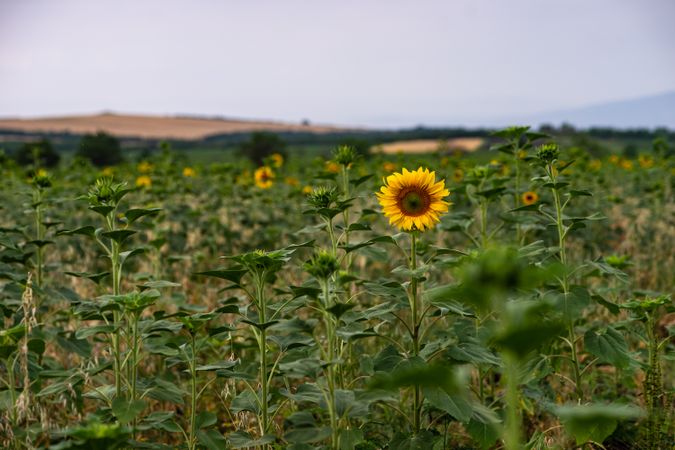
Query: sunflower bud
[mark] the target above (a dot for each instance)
(322, 265)
(345, 155)
(105, 192)
(323, 197)
(41, 179)
(548, 153)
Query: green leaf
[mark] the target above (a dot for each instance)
(166, 391)
(471, 351)
(260, 326)
(85, 231)
(595, 422)
(217, 366)
(205, 419)
(211, 439)
(484, 426)
(241, 439)
(118, 236)
(129, 253)
(491, 193)
(125, 410)
(307, 435)
(352, 247)
(349, 439)
(608, 345)
(358, 181)
(338, 309)
(102, 210)
(423, 440)
(133, 215)
(416, 372)
(527, 208)
(158, 284)
(233, 275)
(455, 405)
(84, 333)
(95, 277)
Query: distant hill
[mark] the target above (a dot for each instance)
(155, 127)
(644, 112)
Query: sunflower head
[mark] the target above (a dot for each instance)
(323, 197)
(457, 175)
(41, 179)
(322, 265)
(332, 167)
(277, 159)
(144, 181)
(413, 200)
(292, 181)
(548, 153)
(189, 172)
(389, 166)
(595, 164)
(264, 177)
(345, 155)
(529, 198)
(144, 167)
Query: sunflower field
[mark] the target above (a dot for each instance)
(438, 301)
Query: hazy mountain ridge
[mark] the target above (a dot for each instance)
(644, 112)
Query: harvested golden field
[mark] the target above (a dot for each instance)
(431, 145)
(153, 127)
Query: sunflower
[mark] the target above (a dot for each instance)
(264, 177)
(144, 181)
(332, 167)
(457, 175)
(189, 172)
(277, 159)
(529, 198)
(389, 166)
(144, 167)
(413, 200)
(645, 162)
(292, 181)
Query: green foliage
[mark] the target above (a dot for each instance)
(261, 145)
(203, 311)
(101, 149)
(37, 154)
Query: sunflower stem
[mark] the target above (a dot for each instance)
(559, 207)
(415, 328)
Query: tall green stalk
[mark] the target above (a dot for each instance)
(40, 235)
(192, 443)
(512, 438)
(330, 355)
(115, 268)
(653, 386)
(565, 280)
(416, 325)
(262, 347)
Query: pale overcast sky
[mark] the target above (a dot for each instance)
(385, 62)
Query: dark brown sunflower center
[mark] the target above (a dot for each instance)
(413, 201)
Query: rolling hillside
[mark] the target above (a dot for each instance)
(153, 127)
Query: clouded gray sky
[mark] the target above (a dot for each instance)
(384, 62)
